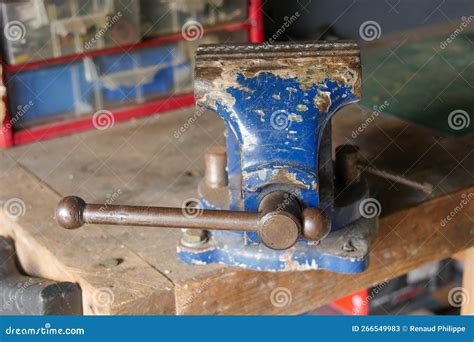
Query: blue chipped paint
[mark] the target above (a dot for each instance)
(277, 125)
(274, 130)
(230, 251)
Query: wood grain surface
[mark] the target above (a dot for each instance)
(158, 161)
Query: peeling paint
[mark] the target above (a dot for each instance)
(301, 107)
(276, 139)
(295, 118)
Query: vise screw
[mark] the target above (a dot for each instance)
(272, 199)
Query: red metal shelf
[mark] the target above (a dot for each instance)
(9, 137)
(123, 48)
(58, 129)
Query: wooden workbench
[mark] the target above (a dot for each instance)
(134, 270)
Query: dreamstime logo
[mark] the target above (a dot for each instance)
(280, 120)
(192, 208)
(110, 200)
(281, 297)
(21, 111)
(110, 21)
(358, 303)
(47, 329)
(103, 296)
(202, 287)
(103, 119)
(458, 119)
(14, 31)
(14, 208)
(287, 201)
(466, 198)
(458, 296)
(465, 22)
(370, 208)
(288, 21)
(377, 110)
(370, 30)
(179, 132)
(13, 298)
(192, 30)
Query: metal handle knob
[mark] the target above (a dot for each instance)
(279, 222)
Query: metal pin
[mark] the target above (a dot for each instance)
(426, 187)
(215, 160)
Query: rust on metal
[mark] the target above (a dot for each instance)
(316, 224)
(215, 161)
(72, 212)
(310, 63)
(279, 222)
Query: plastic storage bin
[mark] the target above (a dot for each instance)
(135, 77)
(42, 29)
(170, 16)
(35, 96)
(148, 73)
(111, 81)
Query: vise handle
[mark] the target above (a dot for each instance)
(279, 221)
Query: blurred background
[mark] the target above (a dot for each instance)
(416, 55)
(418, 65)
(128, 56)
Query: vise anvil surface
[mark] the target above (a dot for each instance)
(24, 295)
(272, 199)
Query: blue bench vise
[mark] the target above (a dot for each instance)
(273, 199)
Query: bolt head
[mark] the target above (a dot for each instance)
(194, 237)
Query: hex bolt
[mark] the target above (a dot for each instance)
(215, 160)
(194, 237)
(347, 168)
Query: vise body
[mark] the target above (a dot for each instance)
(272, 199)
